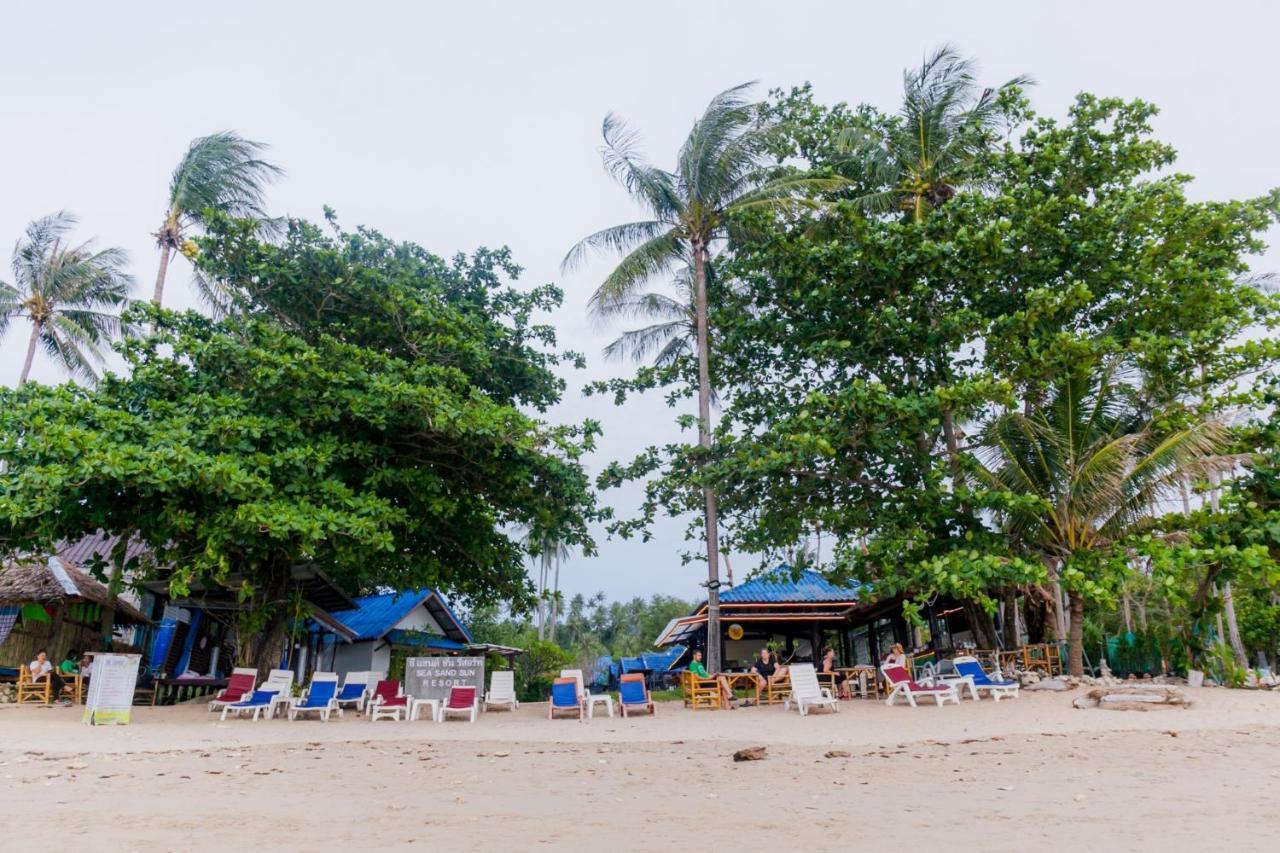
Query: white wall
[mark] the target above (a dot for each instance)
(419, 619)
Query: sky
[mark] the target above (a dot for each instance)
(477, 124)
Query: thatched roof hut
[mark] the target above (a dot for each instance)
(32, 580)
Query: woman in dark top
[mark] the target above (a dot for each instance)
(828, 665)
(766, 671)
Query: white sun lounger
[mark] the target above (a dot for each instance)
(502, 690)
(806, 692)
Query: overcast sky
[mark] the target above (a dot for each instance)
(476, 123)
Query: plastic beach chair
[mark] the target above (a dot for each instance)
(564, 699)
(355, 690)
(634, 693)
(970, 669)
(462, 701)
(588, 699)
(239, 685)
(502, 690)
(387, 702)
(901, 684)
(806, 692)
(320, 697)
(258, 702)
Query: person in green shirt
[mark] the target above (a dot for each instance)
(70, 664)
(726, 692)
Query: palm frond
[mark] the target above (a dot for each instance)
(617, 238)
(656, 305)
(72, 345)
(653, 187)
(651, 258)
(637, 344)
(223, 172)
(713, 153)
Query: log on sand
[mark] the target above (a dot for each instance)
(1133, 698)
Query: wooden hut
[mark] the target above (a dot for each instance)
(49, 603)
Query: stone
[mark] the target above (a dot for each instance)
(836, 753)
(752, 753)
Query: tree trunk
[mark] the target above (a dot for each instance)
(114, 583)
(555, 595)
(984, 630)
(1075, 641)
(542, 595)
(1036, 606)
(1012, 632)
(1233, 627)
(36, 328)
(158, 296)
(711, 514)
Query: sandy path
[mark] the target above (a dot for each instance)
(1033, 774)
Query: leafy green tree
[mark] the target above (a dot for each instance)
(366, 410)
(221, 173)
(1094, 467)
(718, 176)
(843, 343)
(70, 293)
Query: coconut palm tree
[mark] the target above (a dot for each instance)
(70, 293)
(719, 174)
(928, 150)
(1093, 465)
(222, 172)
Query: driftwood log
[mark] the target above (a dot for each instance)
(1133, 698)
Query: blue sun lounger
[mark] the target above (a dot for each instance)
(258, 701)
(970, 669)
(321, 697)
(564, 698)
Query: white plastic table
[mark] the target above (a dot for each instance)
(592, 699)
(417, 704)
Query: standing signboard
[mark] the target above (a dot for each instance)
(431, 677)
(112, 680)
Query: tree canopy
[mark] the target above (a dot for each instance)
(368, 410)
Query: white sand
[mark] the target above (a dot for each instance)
(1030, 774)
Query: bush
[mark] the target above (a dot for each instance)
(537, 668)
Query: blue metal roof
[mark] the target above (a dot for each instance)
(652, 661)
(784, 585)
(375, 615)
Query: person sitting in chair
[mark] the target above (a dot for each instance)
(828, 666)
(42, 668)
(767, 671)
(726, 692)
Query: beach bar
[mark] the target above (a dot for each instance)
(799, 612)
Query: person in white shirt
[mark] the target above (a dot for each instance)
(42, 668)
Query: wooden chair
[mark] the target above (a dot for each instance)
(34, 690)
(701, 692)
(778, 691)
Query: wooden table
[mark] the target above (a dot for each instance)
(866, 678)
(170, 691)
(743, 680)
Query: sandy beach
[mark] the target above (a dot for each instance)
(1030, 774)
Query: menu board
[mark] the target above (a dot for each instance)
(431, 677)
(112, 680)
